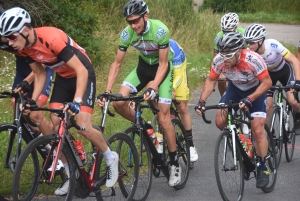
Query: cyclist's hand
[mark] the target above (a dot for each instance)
(297, 86)
(73, 108)
(101, 100)
(23, 86)
(246, 103)
(200, 107)
(149, 94)
(28, 104)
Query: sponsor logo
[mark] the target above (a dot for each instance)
(125, 35)
(274, 45)
(160, 33)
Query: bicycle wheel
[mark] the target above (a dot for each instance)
(275, 129)
(230, 179)
(8, 135)
(272, 162)
(290, 137)
(27, 186)
(183, 152)
(145, 165)
(126, 186)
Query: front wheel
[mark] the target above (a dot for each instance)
(230, 177)
(275, 129)
(290, 137)
(272, 162)
(30, 183)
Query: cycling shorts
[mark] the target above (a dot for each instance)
(144, 73)
(233, 93)
(22, 71)
(285, 76)
(182, 91)
(64, 91)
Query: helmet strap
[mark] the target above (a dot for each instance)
(26, 38)
(259, 45)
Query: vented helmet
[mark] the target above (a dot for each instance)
(229, 21)
(135, 7)
(231, 41)
(255, 32)
(13, 20)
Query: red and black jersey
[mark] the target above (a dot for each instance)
(54, 48)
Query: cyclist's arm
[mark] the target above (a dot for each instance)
(162, 68)
(295, 63)
(208, 88)
(298, 53)
(40, 77)
(264, 86)
(29, 78)
(81, 75)
(114, 70)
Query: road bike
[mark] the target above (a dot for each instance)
(158, 162)
(232, 162)
(84, 176)
(281, 124)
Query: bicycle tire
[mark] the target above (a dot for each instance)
(229, 189)
(145, 166)
(40, 188)
(183, 152)
(272, 162)
(10, 131)
(275, 129)
(290, 137)
(126, 186)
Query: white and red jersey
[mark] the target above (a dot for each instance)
(274, 55)
(245, 74)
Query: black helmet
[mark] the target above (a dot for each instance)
(135, 7)
(230, 42)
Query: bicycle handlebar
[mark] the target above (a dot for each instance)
(223, 106)
(132, 97)
(280, 87)
(53, 110)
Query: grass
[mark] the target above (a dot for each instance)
(194, 32)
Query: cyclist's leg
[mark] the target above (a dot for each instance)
(222, 85)
(232, 94)
(258, 111)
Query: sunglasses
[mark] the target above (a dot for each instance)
(135, 21)
(14, 36)
(229, 55)
(251, 42)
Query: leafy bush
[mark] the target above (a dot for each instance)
(227, 5)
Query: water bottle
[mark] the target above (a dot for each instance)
(80, 149)
(285, 120)
(160, 141)
(151, 134)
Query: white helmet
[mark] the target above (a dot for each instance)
(229, 21)
(13, 20)
(255, 32)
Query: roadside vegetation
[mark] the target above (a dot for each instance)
(96, 26)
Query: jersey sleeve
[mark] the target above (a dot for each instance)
(216, 67)
(125, 39)
(217, 37)
(163, 36)
(259, 67)
(278, 47)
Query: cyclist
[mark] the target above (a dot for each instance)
(75, 77)
(228, 23)
(278, 60)
(180, 86)
(249, 82)
(151, 38)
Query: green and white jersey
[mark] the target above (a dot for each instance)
(155, 37)
(221, 33)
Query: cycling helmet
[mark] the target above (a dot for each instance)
(255, 32)
(135, 7)
(229, 21)
(230, 42)
(13, 20)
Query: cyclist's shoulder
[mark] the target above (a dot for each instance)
(251, 58)
(240, 30)
(272, 43)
